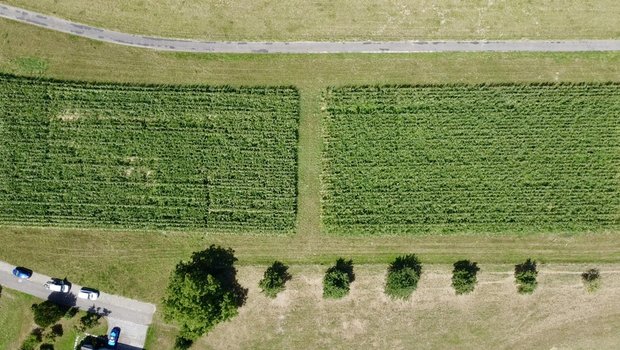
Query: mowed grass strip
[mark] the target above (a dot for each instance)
(123, 156)
(480, 159)
(16, 319)
(325, 20)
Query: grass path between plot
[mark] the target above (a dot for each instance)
(309, 164)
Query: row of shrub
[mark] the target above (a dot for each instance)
(204, 290)
(47, 316)
(403, 275)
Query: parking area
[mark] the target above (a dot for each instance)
(132, 316)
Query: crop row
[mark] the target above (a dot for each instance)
(438, 159)
(105, 155)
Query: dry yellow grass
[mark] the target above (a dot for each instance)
(560, 314)
(109, 260)
(344, 19)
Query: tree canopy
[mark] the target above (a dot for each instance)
(274, 279)
(464, 276)
(203, 292)
(525, 277)
(403, 276)
(338, 278)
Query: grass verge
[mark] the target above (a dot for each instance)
(16, 319)
(559, 314)
(118, 255)
(344, 20)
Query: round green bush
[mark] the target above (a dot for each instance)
(464, 276)
(274, 279)
(591, 280)
(525, 277)
(403, 276)
(338, 278)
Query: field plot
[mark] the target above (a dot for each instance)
(441, 159)
(120, 156)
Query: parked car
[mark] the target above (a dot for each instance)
(88, 293)
(113, 337)
(57, 285)
(22, 272)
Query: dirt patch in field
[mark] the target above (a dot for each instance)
(141, 173)
(69, 116)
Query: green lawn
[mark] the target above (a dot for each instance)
(166, 157)
(467, 158)
(344, 19)
(16, 319)
(108, 260)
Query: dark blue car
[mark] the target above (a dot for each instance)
(113, 337)
(22, 272)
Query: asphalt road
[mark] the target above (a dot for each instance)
(169, 44)
(132, 316)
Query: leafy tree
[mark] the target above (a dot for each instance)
(274, 279)
(0, 290)
(48, 313)
(71, 312)
(94, 342)
(525, 277)
(203, 292)
(403, 276)
(56, 331)
(46, 346)
(464, 276)
(34, 338)
(88, 321)
(591, 280)
(337, 279)
(181, 343)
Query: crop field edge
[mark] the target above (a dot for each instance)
(475, 229)
(120, 87)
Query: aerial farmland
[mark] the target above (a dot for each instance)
(204, 175)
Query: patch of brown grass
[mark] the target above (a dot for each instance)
(559, 314)
(69, 116)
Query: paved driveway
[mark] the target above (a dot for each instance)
(132, 316)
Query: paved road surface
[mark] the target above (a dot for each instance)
(168, 44)
(131, 315)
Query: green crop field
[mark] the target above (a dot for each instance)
(442, 159)
(165, 157)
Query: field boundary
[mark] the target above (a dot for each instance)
(184, 45)
(118, 164)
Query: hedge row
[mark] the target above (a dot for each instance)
(403, 275)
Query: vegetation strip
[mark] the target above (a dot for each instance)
(122, 156)
(480, 159)
(184, 45)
